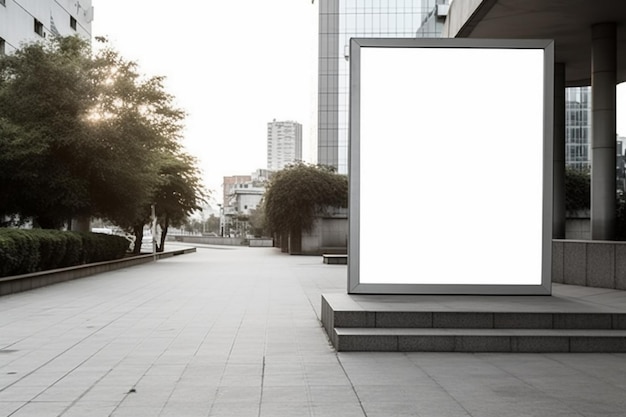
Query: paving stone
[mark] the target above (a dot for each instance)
(237, 332)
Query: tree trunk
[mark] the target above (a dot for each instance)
(138, 232)
(164, 227)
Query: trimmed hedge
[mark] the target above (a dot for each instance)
(24, 251)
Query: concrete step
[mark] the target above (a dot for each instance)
(479, 320)
(478, 340)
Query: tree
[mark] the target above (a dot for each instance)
(213, 224)
(258, 223)
(298, 194)
(141, 131)
(178, 193)
(44, 93)
(84, 135)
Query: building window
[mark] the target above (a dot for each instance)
(72, 22)
(2, 46)
(38, 27)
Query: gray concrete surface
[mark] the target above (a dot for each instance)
(236, 332)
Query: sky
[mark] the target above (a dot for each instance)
(232, 66)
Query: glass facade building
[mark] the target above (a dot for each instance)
(340, 20)
(578, 127)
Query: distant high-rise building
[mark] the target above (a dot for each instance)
(27, 21)
(340, 20)
(284, 144)
(578, 127)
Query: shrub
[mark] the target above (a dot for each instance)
(25, 251)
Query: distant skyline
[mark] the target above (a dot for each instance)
(233, 66)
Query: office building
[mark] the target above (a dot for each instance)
(578, 127)
(340, 20)
(284, 144)
(24, 21)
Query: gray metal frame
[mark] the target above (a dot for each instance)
(354, 285)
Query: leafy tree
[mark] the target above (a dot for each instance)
(87, 135)
(44, 93)
(258, 224)
(178, 193)
(134, 122)
(140, 130)
(298, 194)
(213, 224)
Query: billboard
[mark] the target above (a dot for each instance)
(450, 166)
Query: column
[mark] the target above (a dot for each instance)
(558, 154)
(603, 145)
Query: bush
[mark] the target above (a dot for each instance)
(25, 251)
(99, 247)
(577, 189)
(19, 252)
(52, 248)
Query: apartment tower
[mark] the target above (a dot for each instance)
(284, 144)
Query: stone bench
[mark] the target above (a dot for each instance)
(336, 259)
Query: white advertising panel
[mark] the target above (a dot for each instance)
(450, 166)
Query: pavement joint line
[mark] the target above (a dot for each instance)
(221, 301)
(354, 390)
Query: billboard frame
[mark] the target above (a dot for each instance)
(355, 286)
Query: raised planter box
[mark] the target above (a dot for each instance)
(589, 263)
(25, 282)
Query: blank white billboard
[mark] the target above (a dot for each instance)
(450, 166)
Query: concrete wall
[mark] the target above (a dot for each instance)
(328, 235)
(578, 225)
(227, 241)
(578, 229)
(208, 240)
(589, 263)
(262, 243)
(458, 14)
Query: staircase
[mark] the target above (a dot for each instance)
(592, 320)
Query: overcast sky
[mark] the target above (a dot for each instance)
(233, 66)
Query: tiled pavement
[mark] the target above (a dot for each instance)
(236, 332)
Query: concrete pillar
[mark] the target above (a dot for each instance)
(558, 154)
(603, 144)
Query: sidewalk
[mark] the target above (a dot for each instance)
(236, 332)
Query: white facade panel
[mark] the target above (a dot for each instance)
(17, 20)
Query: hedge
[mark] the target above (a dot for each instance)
(30, 250)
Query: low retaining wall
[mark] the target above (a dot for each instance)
(19, 283)
(227, 241)
(261, 243)
(209, 240)
(589, 263)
